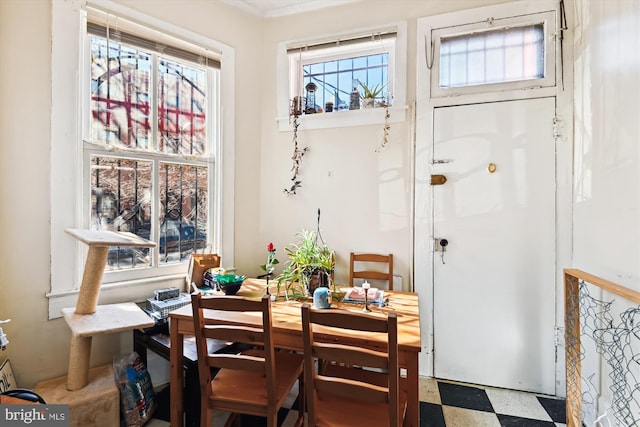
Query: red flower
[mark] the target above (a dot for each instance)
(271, 259)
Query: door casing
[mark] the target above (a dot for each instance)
(422, 268)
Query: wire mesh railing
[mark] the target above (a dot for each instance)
(605, 329)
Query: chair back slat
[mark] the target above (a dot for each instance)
(346, 388)
(349, 320)
(349, 355)
(236, 361)
(231, 303)
(243, 334)
(371, 275)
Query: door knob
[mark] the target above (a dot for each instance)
(444, 243)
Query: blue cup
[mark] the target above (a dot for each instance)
(322, 298)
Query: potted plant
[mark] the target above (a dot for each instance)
(369, 94)
(309, 265)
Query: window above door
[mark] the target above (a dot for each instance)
(493, 55)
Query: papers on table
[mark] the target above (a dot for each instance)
(356, 295)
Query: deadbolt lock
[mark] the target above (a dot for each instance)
(440, 245)
(438, 179)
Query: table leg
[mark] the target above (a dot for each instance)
(139, 345)
(413, 399)
(176, 375)
(192, 392)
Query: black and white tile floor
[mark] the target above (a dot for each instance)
(448, 404)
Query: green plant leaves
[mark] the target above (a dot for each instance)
(372, 92)
(304, 258)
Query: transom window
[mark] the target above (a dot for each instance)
(150, 138)
(497, 56)
(491, 55)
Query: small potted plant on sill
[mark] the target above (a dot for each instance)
(369, 94)
(309, 265)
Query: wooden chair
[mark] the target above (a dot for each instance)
(255, 382)
(380, 274)
(198, 264)
(347, 396)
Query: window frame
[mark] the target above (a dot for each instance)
(153, 155)
(397, 71)
(546, 18)
(70, 202)
(337, 53)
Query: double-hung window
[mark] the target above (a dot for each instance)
(150, 133)
(137, 145)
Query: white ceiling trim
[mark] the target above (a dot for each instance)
(276, 8)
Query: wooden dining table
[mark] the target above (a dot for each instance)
(287, 334)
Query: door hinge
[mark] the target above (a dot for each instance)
(558, 336)
(558, 126)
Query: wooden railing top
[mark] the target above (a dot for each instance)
(622, 291)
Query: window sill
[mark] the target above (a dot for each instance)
(114, 293)
(345, 118)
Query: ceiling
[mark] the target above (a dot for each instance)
(273, 8)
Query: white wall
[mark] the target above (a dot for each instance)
(607, 140)
(25, 39)
(606, 220)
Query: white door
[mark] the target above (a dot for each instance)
(494, 285)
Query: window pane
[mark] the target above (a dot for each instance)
(316, 69)
(344, 89)
(360, 62)
(504, 55)
(119, 94)
(330, 88)
(374, 60)
(361, 76)
(345, 64)
(121, 201)
(183, 213)
(181, 108)
(331, 67)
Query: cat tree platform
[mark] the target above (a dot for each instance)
(96, 405)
